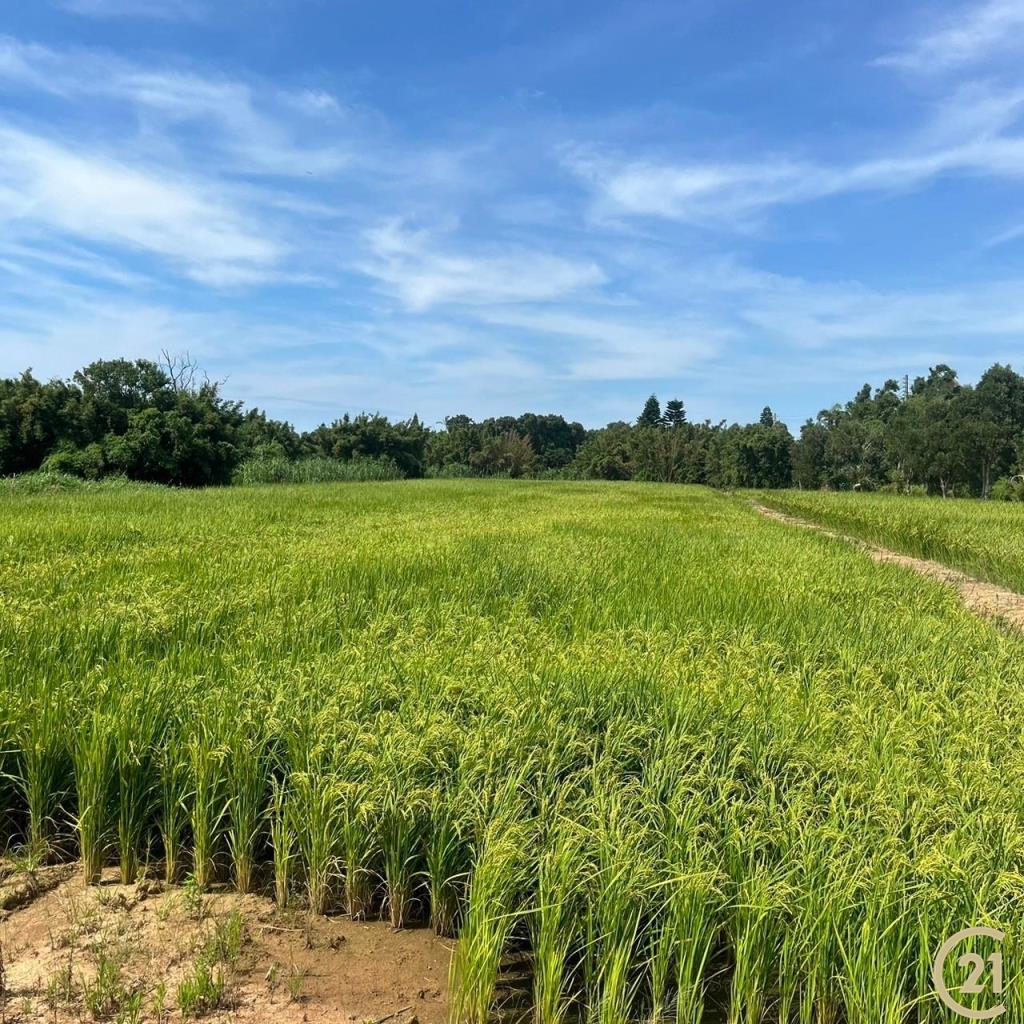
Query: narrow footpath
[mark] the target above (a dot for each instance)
(985, 599)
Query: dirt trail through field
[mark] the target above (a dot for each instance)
(986, 599)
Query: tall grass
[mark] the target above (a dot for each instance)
(314, 469)
(647, 755)
(47, 482)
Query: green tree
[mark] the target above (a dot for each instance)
(651, 415)
(506, 454)
(606, 454)
(809, 456)
(675, 413)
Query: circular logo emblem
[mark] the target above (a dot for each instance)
(982, 974)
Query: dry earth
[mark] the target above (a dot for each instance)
(125, 953)
(986, 599)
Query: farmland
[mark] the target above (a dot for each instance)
(675, 756)
(982, 538)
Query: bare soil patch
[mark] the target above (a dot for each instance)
(134, 953)
(986, 599)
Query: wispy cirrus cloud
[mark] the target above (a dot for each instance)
(252, 133)
(828, 317)
(970, 133)
(45, 186)
(624, 344)
(411, 265)
(963, 37)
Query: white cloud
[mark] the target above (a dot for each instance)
(967, 37)
(695, 192)
(603, 346)
(46, 186)
(409, 265)
(968, 134)
(848, 316)
(1010, 234)
(27, 63)
(27, 258)
(257, 142)
(164, 10)
(256, 131)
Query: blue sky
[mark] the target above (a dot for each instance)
(491, 207)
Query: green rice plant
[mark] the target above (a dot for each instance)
(43, 773)
(689, 906)
(173, 760)
(401, 817)
(810, 955)
(401, 825)
(282, 840)
(685, 761)
(447, 860)
(556, 920)
(981, 538)
(622, 896)
(357, 843)
(247, 773)
(756, 924)
(93, 757)
(206, 755)
(874, 950)
(134, 752)
(495, 897)
(316, 804)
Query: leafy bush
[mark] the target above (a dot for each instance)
(87, 462)
(1008, 489)
(314, 470)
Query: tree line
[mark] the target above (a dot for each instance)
(166, 422)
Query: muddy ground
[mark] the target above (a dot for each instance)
(132, 953)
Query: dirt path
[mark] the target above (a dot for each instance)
(986, 599)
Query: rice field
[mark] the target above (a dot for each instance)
(646, 754)
(982, 538)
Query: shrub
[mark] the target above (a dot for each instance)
(1008, 489)
(87, 462)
